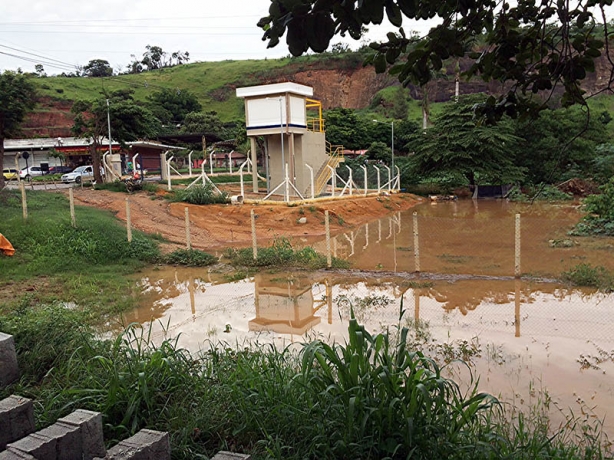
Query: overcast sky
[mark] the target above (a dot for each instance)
(61, 34)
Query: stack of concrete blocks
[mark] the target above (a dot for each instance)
(77, 436)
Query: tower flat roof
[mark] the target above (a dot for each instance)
(275, 88)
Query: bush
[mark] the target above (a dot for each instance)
(540, 192)
(190, 258)
(600, 209)
(587, 275)
(202, 194)
(281, 254)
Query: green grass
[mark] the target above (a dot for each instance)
(587, 275)
(88, 264)
(281, 254)
(190, 258)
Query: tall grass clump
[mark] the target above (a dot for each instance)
(190, 258)
(281, 254)
(202, 194)
(587, 275)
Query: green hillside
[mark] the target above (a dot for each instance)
(214, 83)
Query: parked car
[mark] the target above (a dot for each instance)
(60, 169)
(31, 171)
(10, 173)
(81, 174)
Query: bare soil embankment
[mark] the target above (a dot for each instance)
(219, 226)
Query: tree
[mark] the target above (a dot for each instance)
(98, 68)
(379, 151)
(171, 106)
(457, 145)
(129, 121)
(40, 70)
(344, 128)
(532, 46)
(400, 106)
(559, 145)
(203, 122)
(153, 58)
(17, 98)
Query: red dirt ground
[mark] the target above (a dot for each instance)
(219, 226)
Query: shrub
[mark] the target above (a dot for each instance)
(589, 276)
(202, 194)
(540, 192)
(190, 258)
(281, 254)
(600, 209)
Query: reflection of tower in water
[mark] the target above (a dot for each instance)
(288, 305)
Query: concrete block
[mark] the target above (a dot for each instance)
(16, 419)
(90, 428)
(224, 455)
(68, 440)
(39, 447)
(9, 371)
(15, 455)
(145, 445)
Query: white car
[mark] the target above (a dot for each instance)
(81, 174)
(29, 172)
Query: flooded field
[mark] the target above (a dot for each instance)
(525, 338)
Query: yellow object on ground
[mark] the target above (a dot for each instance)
(5, 246)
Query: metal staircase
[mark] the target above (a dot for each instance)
(323, 176)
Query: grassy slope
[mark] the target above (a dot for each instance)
(213, 84)
(202, 79)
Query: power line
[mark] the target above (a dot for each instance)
(88, 32)
(36, 55)
(38, 61)
(81, 21)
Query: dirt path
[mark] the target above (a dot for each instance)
(219, 226)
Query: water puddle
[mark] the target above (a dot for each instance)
(473, 237)
(526, 339)
(520, 336)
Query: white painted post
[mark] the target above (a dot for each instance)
(168, 173)
(211, 160)
(188, 241)
(416, 244)
(350, 178)
(230, 161)
(379, 187)
(389, 178)
(397, 180)
(517, 248)
(313, 192)
(24, 202)
(332, 179)
(329, 260)
(364, 168)
(71, 198)
(128, 221)
(190, 162)
(254, 243)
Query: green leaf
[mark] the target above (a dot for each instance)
(394, 13)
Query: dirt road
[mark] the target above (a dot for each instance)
(220, 226)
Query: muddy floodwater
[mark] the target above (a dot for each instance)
(526, 338)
